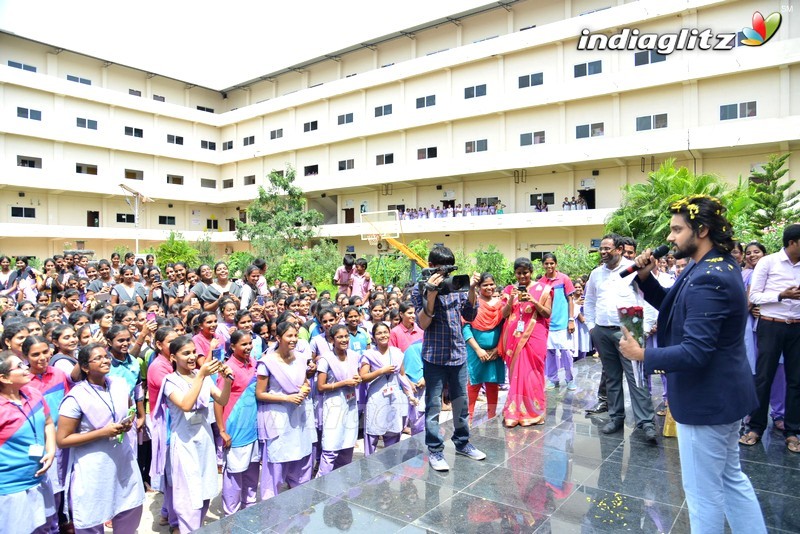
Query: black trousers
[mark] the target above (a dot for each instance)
(774, 339)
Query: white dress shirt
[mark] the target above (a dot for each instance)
(607, 290)
(772, 275)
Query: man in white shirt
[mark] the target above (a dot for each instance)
(775, 288)
(607, 285)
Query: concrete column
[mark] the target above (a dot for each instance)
(500, 87)
(52, 65)
(615, 116)
(785, 93)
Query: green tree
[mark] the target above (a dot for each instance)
(772, 200)
(395, 268)
(315, 263)
(175, 249)
(491, 260)
(644, 213)
(277, 220)
(205, 250)
(576, 261)
(238, 262)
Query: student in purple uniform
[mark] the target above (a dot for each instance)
(104, 482)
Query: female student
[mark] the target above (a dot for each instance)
(26, 453)
(285, 414)
(237, 427)
(337, 379)
(387, 404)
(104, 482)
(53, 384)
(186, 395)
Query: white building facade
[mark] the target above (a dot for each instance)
(496, 104)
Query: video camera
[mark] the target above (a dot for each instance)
(451, 284)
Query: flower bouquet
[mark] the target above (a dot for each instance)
(632, 318)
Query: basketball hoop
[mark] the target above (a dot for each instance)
(373, 239)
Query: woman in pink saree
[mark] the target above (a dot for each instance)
(523, 345)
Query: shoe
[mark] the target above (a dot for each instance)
(612, 427)
(601, 407)
(470, 452)
(571, 385)
(503, 387)
(437, 461)
(549, 386)
(650, 433)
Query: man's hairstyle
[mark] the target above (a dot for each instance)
(348, 261)
(441, 255)
(791, 233)
(618, 240)
(701, 211)
(629, 241)
(361, 262)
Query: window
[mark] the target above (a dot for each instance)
(227, 145)
(174, 139)
(86, 123)
(207, 110)
(208, 183)
(648, 56)
(159, 98)
(347, 118)
(22, 66)
(134, 132)
(550, 198)
(530, 80)
(587, 69)
(651, 123)
(427, 153)
(346, 164)
(276, 134)
(426, 101)
(385, 109)
(531, 138)
(174, 179)
(168, 220)
(132, 174)
(212, 224)
(250, 179)
(489, 201)
(126, 218)
(596, 129)
(32, 114)
(250, 140)
(311, 170)
(78, 79)
(29, 162)
(310, 126)
(84, 168)
(480, 145)
(208, 145)
(476, 91)
(134, 92)
(384, 159)
(18, 212)
(227, 184)
(737, 111)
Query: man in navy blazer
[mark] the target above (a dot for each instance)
(700, 324)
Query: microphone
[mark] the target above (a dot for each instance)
(658, 253)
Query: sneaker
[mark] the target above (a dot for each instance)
(437, 461)
(571, 385)
(549, 386)
(471, 452)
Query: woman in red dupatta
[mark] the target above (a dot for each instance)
(523, 345)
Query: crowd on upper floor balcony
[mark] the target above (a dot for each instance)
(443, 212)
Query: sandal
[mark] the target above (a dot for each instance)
(793, 444)
(510, 423)
(751, 438)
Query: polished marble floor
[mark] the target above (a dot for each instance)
(564, 476)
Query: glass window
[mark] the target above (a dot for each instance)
(582, 131)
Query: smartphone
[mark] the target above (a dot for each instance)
(260, 300)
(128, 420)
(102, 297)
(522, 287)
(194, 301)
(151, 317)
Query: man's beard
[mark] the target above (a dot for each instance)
(687, 251)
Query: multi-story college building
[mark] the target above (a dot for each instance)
(494, 104)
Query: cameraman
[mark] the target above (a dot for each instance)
(444, 356)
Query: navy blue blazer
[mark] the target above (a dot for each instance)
(701, 321)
